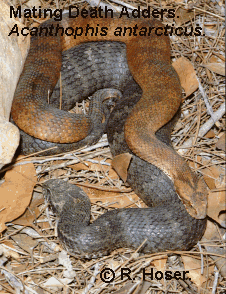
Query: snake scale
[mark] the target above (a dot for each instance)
(140, 123)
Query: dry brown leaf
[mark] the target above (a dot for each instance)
(214, 171)
(160, 265)
(30, 214)
(19, 269)
(58, 172)
(211, 232)
(216, 204)
(120, 163)
(187, 75)
(221, 143)
(25, 242)
(120, 199)
(210, 182)
(183, 15)
(79, 166)
(16, 192)
(210, 134)
(192, 265)
(112, 174)
(216, 67)
(213, 58)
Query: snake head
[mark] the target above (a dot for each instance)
(193, 194)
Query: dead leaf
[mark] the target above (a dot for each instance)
(120, 163)
(192, 265)
(216, 58)
(216, 204)
(19, 269)
(30, 214)
(211, 232)
(184, 15)
(210, 134)
(187, 75)
(16, 192)
(218, 68)
(58, 173)
(25, 242)
(210, 182)
(118, 199)
(221, 143)
(79, 166)
(54, 284)
(160, 265)
(112, 174)
(214, 171)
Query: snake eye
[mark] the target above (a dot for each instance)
(110, 103)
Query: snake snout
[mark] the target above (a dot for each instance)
(194, 197)
(197, 209)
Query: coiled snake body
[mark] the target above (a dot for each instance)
(132, 127)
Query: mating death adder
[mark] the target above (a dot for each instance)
(148, 57)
